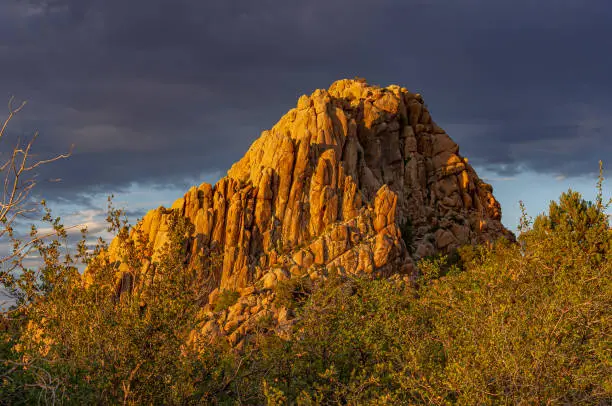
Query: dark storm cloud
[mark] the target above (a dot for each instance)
(157, 91)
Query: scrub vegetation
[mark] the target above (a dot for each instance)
(510, 323)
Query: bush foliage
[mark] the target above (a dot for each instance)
(226, 299)
(513, 323)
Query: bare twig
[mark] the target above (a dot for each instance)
(18, 171)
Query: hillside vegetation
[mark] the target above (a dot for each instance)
(512, 323)
(351, 257)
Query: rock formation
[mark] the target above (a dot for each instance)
(356, 178)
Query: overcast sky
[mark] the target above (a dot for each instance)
(160, 94)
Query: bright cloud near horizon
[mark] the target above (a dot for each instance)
(159, 95)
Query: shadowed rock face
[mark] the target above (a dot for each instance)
(333, 184)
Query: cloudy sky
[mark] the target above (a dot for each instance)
(157, 95)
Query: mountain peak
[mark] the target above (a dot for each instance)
(355, 178)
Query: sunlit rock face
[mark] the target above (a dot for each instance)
(333, 185)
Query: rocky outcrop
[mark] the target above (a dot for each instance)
(356, 178)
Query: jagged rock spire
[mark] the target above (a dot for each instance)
(334, 184)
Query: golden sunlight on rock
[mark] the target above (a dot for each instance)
(330, 186)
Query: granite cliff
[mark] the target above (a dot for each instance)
(356, 178)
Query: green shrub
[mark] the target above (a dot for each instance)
(226, 299)
(436, 266)
(292, 292)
